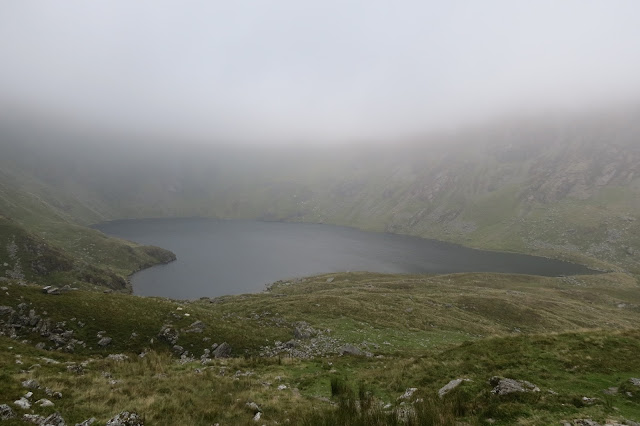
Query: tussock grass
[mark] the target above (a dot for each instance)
(574, 339)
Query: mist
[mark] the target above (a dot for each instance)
(285, 72)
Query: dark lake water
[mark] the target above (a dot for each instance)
(218, 257)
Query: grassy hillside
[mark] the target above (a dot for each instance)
(59, 253)
(334, 349)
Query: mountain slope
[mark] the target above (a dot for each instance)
(564, 186)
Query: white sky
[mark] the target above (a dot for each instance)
(326, 71)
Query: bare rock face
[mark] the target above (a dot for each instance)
(126, 419)
(503, 386)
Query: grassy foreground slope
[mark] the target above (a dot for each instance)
(335, 349)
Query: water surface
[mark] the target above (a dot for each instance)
(218, 257)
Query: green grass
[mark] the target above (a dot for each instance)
(573, 339)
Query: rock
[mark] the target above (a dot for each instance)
(87, 422)
(22, 403)
(585, 422)
(126, 419)
(41, 346)
(105, 341)
(75, 368)
(257, 416)
(6, 412)
(31, 384)
(54, 420)
(45, 289)
(169, 334)
(634, 381)
(33, 418)
(330, 280)
(117, 357)
(54, 291)
(350, 350)
(177, 349)
(610, 391)
(408, 393)
(6, 310)
(303, 330)
(253, 407)
(45, 403)
(222, 351)
(503, 386)
(450, 386)
(196, 327)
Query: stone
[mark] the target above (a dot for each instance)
(6, 412)
(585, 422)
(22, 403)
(75, 368)
(177, 349)
(31, 384)
(45, 403)
(196, 327)
(54, 291)
(222, 351)
(33, 418)
(408, 393)
(350, 350)
(105, 341)
(117, 357)
(169, 334)
(87, 422)
(330, 280)
(634, 381)
(126, 418)
(6, 310)
(504, 386)
(610, 391)
(54, 419)
(303, 330)
(253, 407)
(257, 416)
(450, 386)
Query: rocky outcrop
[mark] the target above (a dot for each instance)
(504, 386)
(303, 330)
(126, 418)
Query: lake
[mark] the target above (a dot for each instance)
(219, 257)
